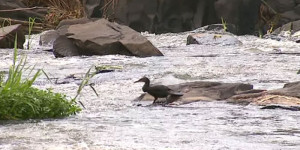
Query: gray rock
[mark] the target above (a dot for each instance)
(202, 91)
(48, 37)
(7, 36)
(289, 89)
(102, 37)
(64, 47)
(287, 97)
(212, 39)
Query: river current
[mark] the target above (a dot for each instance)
(112, 121)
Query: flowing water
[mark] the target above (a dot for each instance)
(113, 121)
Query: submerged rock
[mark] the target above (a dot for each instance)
(102, 37)
(212, 39)
(7, 36)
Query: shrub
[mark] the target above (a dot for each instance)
(19, 100)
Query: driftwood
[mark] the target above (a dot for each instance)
(18, 9)
(38, 27)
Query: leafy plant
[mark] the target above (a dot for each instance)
(19, 100)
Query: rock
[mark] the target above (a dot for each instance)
(281, 6)
(48, 37)
(212, 39)
(292, 108)
(219, 28)
(289, 89)
(69, 22)
(64, 47)
(202, 91)
(288, 10)
(242, 13)
(293, 27)
(102, 37)
(7, 36)
(288, 96)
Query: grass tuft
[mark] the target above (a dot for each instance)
(19, 100)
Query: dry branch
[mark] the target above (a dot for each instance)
(19, 9)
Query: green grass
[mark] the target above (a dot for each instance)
(19, 100)
(224, 23)
(31, 22)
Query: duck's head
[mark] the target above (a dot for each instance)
(144, 79)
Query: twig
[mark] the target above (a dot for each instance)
(26, 23)
(18, 9)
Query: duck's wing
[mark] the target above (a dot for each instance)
(175, 93)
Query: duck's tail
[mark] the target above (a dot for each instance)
(175, 93)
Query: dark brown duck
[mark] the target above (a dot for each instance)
(157, 91)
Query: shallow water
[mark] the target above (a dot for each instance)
(112, 121)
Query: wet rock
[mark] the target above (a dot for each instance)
(286, 96)
(212, 39)
(219, 28)
(289, 89)
(201, 91)
(7, 36)
(102, 37)
(292, 108)
(48, 37)
(293, 27)
(64, 47)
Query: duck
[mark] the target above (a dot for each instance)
(157, 91)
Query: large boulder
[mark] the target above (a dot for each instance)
(7, 36)
(101, 37)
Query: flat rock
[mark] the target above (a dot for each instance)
(285, 97)
(201, 91)
(7, 36)
(289, 89)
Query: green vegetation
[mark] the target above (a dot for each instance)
(31, 22)
(224, 23)
(19, 100)
(268, 16)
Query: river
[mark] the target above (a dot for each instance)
(112, 121)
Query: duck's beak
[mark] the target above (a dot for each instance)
(137, 81)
